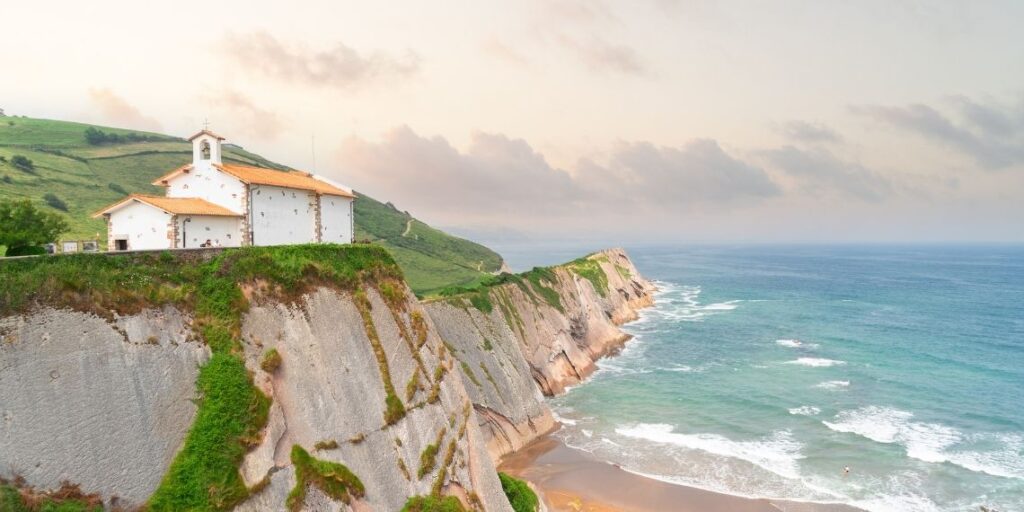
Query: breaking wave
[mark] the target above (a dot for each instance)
(833, 384)
(997, 454)
(816, 362)
(805, 410)
(777, 453)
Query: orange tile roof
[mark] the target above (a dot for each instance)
(290, 179)
(174, 205)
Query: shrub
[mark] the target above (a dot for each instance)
(7, 179)
(433, 504)
(55, 202)
(22, 163)
(117, 188)
(271, 361)
(519, 495)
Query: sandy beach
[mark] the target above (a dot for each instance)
(574, 481)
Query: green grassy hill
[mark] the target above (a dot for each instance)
(85, 177)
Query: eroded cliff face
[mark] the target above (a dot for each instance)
(413, 399)
(328, 392)
(530, 344)
(104, 404)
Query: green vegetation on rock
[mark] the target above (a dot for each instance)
(519, 495)
(433, 504)
(334, 479)
(68, 498)
(590, 269)
(39, 156)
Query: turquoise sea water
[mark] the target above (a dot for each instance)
(764, 371)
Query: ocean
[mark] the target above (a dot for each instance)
(765, 371)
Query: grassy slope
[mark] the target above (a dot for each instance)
(81, 175)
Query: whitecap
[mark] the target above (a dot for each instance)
(777, 453)
(833, 384)
(586, 432)
(789, 343)
(805, 410)
(936, 443)
(816, 362)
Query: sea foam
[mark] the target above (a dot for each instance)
(936, 443)
(816, 362)
(805, 410)
(833, 384)
(777, 453)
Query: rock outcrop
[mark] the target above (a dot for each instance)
(529, 343)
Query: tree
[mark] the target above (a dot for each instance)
(25, 228)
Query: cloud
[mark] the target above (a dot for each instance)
(499, 50)
(674, 178)
(244, 115)
(601, 55)
(999, 144)
(340, 66)
(504, 180)
(819, 171)
(117, 111)
(803, 131)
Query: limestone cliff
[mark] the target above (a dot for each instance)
(538, 333)
(294, 377)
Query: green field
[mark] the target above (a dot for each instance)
(87, 177)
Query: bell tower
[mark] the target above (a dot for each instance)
(206, 147)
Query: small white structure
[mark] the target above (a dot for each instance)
(209, 203)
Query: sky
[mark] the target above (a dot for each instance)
(611, 121)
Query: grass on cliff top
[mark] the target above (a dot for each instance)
(231, 411)
(532, 282)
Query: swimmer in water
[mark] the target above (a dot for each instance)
(846, 470)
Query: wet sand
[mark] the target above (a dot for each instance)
(574, 481)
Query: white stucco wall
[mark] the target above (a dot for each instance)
(221, 231)
(207, 182)
(144, 226)
(282, 215)
(335, 219)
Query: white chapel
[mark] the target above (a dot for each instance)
(212, 203)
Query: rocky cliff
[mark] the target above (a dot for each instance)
(294, 377)
(537, 333)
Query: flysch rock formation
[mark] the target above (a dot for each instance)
(525, 347)
(102, 404)
(328, 390)
(106, 403)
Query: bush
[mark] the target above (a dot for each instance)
(117, 188)
(7, 179)
(433, 504)
(55, 202)
(271, 361)
(519, 495)
(22, 163)
(26, 250)
(97, 137)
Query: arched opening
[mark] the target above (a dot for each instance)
(204, 150)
